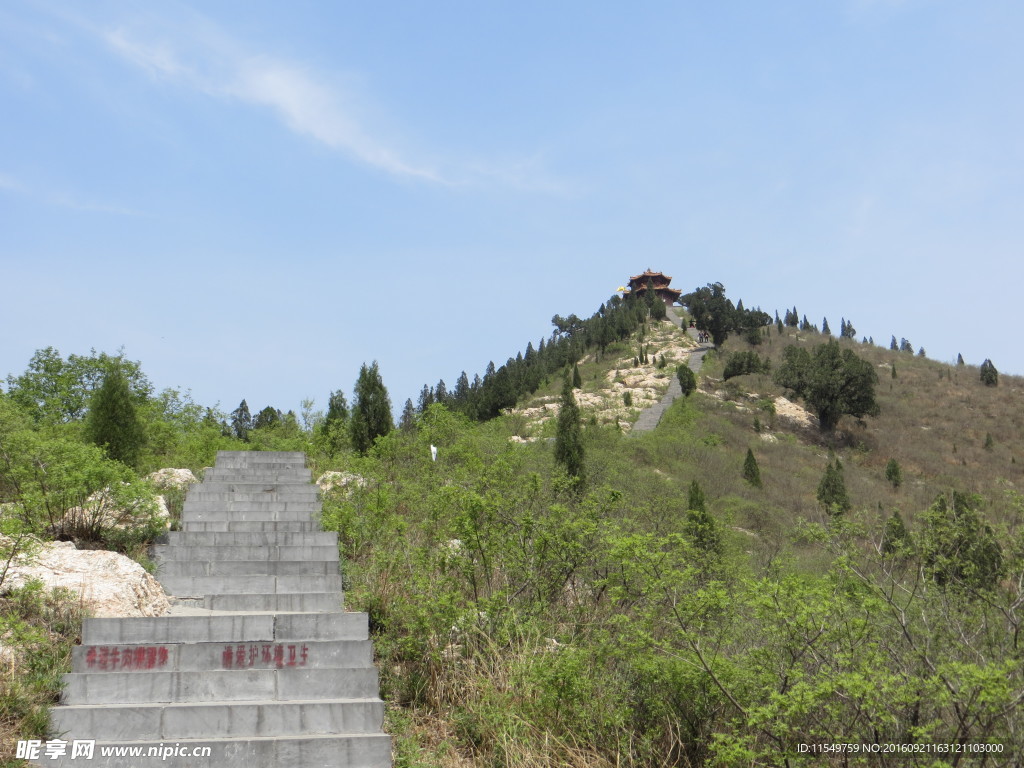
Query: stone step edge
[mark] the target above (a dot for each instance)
(229, 702)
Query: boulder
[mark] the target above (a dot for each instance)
(168, 479)
(109, 584)
(347, 481)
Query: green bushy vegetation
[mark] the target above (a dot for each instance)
(685, 606)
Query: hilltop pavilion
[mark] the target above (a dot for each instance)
(659, 282)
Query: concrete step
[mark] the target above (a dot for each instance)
(252, 492)
(242, 628)
(249, 584)
(250, 516)
(233, 567)
(185, 540)
(279, 601)
(222, 720)
(196, 657)
(313, 751)
(250, 498)
(284, 684)
(165, 553)
(270, 475)
(251, 526)
(306, 507)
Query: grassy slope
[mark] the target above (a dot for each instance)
(474, 702)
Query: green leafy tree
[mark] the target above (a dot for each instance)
(958, 550)
(569, 434)
(751, 472)
(112, 422)
(895, 537)
(893, 473)
(712, 311)
(832, 490)
(833, 381)
(267, 418)
(989, 374)
(687, 379)
(371, 409)
(55, 391)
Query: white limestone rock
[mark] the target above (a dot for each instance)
(170, 478)
(346, 481)
(109, 584)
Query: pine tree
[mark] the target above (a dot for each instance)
(695, 499)
(893, 473)
(112, 422)
(569, 434)
(921, 352)
(577, 380)
(989, 374)
(371, 409)
(832, 490)
(824, 327)
(893, 345)
(702, 530)
(751, 472)
(408, 421)
(959, 359)
(241, 421)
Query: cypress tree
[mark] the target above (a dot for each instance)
(241, 421)
(893, 473)
(112, 422)
(696, 497)
(832, 490)
(577, 380)
(989, 374)
(569, 434)
(959, 359)
(371, 409)
(408, 422)
(687, 379)
(751, 472)
(824, 327)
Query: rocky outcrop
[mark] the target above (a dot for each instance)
(108, 583)
(167, 479)
(346, 481)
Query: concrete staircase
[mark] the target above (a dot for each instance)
(257, 660)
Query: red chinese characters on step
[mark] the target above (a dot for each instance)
(255, 654)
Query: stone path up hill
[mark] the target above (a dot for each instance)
(650, 417)
(257, 660)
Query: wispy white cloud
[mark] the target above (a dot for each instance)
(304, 101)
(314, 104)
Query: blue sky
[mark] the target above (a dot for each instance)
(253, 198)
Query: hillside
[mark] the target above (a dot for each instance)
(662, 608)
